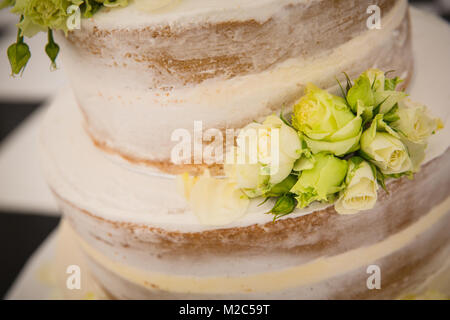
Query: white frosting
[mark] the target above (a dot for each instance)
(81, 173)
(130, 117)
(85, 176)
(295, 280)
(189, 11)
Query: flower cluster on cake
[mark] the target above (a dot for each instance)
(335, 149)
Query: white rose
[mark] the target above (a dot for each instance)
(264, 156)
(388, 153)
(247, 176)
(361, 190)
(385, 149)
(414, 122)
(214, 201)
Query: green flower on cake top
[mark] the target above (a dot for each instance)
(47, 15)
(334, 149)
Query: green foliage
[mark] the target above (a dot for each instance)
(46, 16)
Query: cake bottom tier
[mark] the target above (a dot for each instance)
(416, 265)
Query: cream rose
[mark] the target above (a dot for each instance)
(264, 156)
(213, 201)
(361, 190)
(385, 149)
(414, 122)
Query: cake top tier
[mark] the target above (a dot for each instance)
(142, 12)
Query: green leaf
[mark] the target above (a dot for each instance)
(344, 92)
(283, 187)
(349, 82)
(52, 49)
(409, 174)
(364, 155)
(115, 3)
(285, 205)
(392, 115)
(356, 161)
(362, 90)
(342, 88)
(380, 177)
(265, 200)
(366, 112)
(283, 118)
(391, 84)
(89, 8)
(18, 54)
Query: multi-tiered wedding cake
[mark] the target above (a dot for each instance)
(141, 72)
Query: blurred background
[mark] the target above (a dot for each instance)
(28, 213)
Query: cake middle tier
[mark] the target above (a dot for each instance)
(140, 76)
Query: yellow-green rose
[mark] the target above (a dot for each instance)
(327, 123)
(321, 182)
(41, 15)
